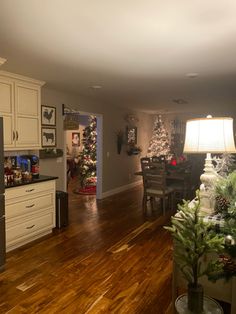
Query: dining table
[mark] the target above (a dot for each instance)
(179, 174)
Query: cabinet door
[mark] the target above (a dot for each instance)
(7, 111)
(27, 107)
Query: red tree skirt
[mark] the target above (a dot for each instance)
(88, 190)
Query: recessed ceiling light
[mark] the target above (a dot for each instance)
(96, 86)
(192, 75)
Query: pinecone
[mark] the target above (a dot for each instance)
(222, 204)
(229, 266)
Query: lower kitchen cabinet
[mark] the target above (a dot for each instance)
(30, 213)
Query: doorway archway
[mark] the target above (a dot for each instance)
(75, 113)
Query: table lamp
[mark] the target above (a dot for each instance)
(209, 135)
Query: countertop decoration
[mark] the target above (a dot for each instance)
(41, 178)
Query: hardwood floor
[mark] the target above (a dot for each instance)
(110, 259)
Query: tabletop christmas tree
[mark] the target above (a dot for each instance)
(87, 164)
(159, 143)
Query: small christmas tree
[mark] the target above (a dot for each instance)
(224, 164)
(194, 240)
(159, 143)
(87, 164)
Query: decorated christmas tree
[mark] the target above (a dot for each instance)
(159, 143)
(87, 164)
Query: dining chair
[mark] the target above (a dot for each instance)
(180, 179)
(154, 184)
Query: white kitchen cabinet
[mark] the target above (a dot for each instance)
(20, 106)
(7, 109)
(30, 213)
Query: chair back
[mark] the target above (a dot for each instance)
(154, 174)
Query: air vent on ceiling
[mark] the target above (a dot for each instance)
(180, 101)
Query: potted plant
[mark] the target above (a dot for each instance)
(194, 239)
(133, 149)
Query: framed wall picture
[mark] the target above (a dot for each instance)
(75, 139)
(48, 115)
(131, 135)
(48, 137)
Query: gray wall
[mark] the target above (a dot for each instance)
(118, 170)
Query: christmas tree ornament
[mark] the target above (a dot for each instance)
(229, 240)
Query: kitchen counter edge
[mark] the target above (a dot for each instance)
(41, 178)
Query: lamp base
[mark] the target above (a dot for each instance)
(208, 179)
(207, 204)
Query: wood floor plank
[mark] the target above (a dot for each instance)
(110, 259)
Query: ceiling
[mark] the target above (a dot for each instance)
(143, 53)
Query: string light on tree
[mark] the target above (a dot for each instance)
(87, 166)
(159, 143)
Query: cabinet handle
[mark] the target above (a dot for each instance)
(13, 136)
(30, 227)
(17, 135)
(29, 190)
(29, 206)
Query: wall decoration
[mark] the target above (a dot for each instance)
(75, 139)
(48, 137)
(119, 140)
(47, 153)
(71, 121)
(48, 115)
(131, 139)
(131, 135)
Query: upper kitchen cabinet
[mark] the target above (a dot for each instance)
(20, 106)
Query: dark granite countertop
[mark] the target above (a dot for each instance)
(40, 179)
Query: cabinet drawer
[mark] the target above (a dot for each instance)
(18, 232)
(30, 205)
(28, 190)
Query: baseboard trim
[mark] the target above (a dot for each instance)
(121, 189)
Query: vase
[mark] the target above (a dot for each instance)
(195, 298)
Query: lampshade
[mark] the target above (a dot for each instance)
(209, 135)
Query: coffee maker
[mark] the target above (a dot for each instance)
(30, 163)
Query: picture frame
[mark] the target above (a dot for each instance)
(48, 115)
(48, 137)
(131, 135)
(75, 138)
